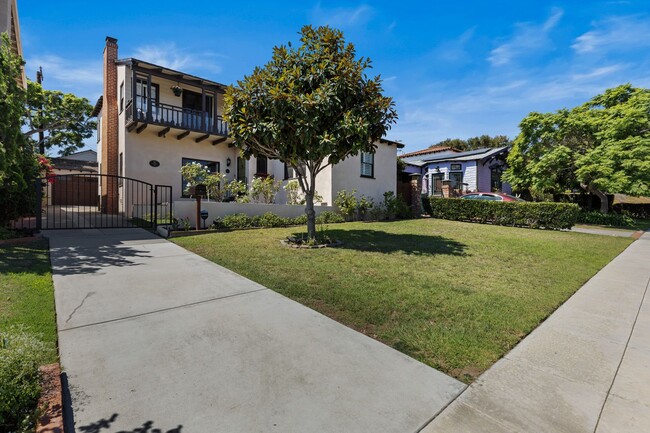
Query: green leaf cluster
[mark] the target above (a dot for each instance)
(18, 164)
(472, 143)
(600, 146)
(63, 118)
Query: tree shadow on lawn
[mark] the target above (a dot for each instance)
(25, 257)
(384, 242)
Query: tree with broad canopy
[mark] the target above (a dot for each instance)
(602, 146)
(309, 107)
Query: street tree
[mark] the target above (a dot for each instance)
(310, 106)
(62, 118)
(601, 146)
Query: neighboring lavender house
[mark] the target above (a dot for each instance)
(473, 170)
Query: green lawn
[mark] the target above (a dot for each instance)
(26, 291)
(639, 224)
(456, 296)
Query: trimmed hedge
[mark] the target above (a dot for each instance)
(519, 214)
(609, 219)
(269, 220)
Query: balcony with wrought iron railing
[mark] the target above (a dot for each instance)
(170, 116)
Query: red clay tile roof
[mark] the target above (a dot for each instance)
(435, 149)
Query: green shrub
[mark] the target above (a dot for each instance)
(328, 217)
(8, 234)
(20, 356)
(395, 206)
(347, 203)
(610, 219)
(299, 220)
(237, 221)
(269, 219)
(520, 214)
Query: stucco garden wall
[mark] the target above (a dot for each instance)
(187, 208)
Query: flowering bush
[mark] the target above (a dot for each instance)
(45, 168)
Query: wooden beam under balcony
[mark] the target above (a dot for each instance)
(163, 132)
(182, 135)
(141, 128)
(219, 140)
(131, 126)
(201, 138)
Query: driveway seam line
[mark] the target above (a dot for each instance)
(162, 310)
(618, 367)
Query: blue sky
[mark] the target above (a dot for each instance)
(454, 68)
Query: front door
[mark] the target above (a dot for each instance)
(495, 180)
(437, 183)
(241, 169)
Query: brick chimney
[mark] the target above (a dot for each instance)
(109, 156)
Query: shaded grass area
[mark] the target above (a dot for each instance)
(456, 296)
(27, 292)
(639, 224)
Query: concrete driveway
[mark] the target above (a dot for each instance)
(152, 336)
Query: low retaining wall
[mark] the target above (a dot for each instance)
(187, 208)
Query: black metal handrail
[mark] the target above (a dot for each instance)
(177, 117)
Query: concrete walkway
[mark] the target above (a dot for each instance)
(586, 369)
(152, 336)
(605, 232)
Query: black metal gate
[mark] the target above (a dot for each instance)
(82, 201)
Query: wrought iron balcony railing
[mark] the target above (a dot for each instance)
(177, 117)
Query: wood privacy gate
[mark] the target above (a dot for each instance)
(82, 201)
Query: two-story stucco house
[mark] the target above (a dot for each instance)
(152, 120)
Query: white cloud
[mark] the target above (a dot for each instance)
(528, 37)
(67, 71)
(170, 56)
(615, 34)
(455, 49)
(342, 17)
(598, 72)
(167, 55)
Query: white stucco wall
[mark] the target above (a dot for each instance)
(187, 208)
(346, 175)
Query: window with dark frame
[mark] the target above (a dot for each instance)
(120, 168)
(456, 178)
(213, 167)
(262, 166)
(121, 96)
(141, 96)
(456, 167)
(241, 169)
(367, 164)
(290, 173)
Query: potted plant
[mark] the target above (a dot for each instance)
(178, 90)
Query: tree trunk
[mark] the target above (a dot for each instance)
(311, 216)
(604, 203)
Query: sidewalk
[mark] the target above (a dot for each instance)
(585, 369)
(152, 336)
